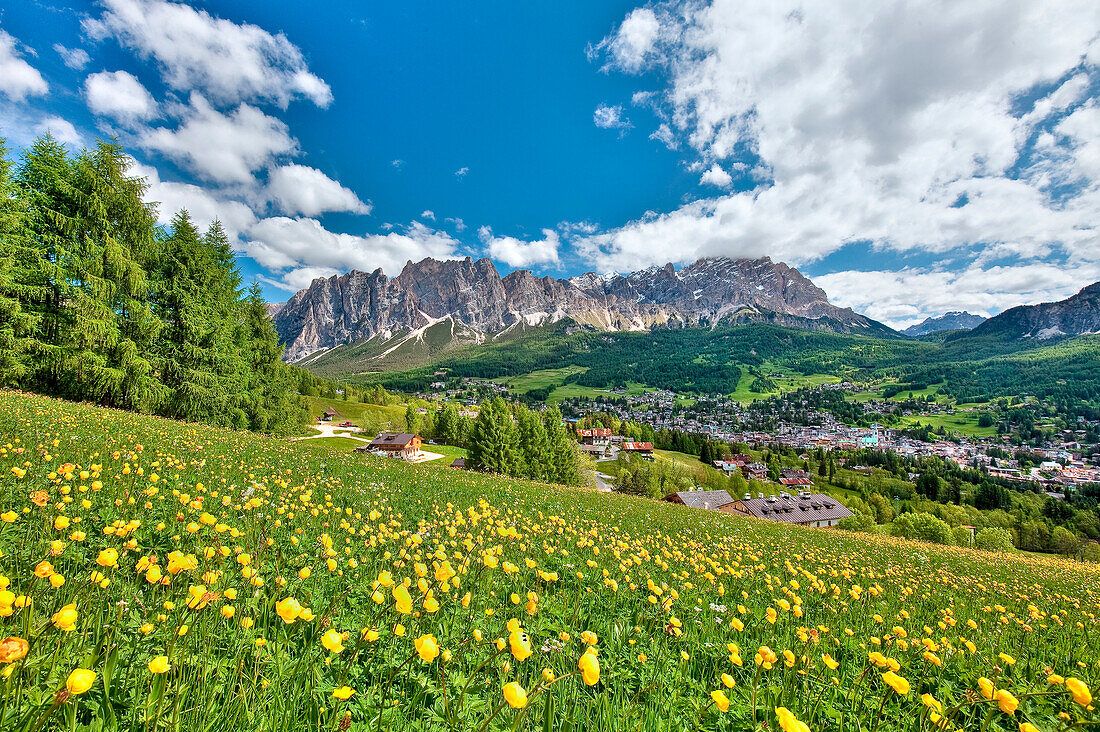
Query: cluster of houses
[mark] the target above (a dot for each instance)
(803, 509)
(601, 444)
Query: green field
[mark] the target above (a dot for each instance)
(371, 417)
(175, 576)
(963, 423)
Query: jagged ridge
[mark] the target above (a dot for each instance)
(360, 306)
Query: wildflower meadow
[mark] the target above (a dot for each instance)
(163, 575)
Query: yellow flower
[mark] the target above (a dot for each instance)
(931, 702)
(427, 647)
(1080, 691)
(107, 558)
(589, 666)
(789, 722)
(515, 695)
(80, 681)
(402, 599)
(1006, 701)
(65, 618)
(830, 662)
(720, 700)
(12, 649)
(1028, 727)
(159, 665)
(897, 683)
(288, 609)
(333, 641)
(520, 645)
(343, 693)
(728, 681)
(986, 687)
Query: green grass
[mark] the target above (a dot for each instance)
(654, 584)
(963, 423)
(371, 417)
(540, 379)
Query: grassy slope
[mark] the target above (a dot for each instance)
(302, 494)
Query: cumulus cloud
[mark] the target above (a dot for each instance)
(18, 79)
(901, 298)
(634, 41)
(226, 61)
(61, 129)
(519, 253)
(204, 205)
(903, 124)
(120, 96)
(716, 176)
(610, 118)
(427, 214)
(74, 58)
(224, 148)
(299, 248)
(299, 189)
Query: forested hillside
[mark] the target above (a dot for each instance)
(99, 304)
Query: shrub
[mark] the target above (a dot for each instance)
(994, 540)
(923, 526)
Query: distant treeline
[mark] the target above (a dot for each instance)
(100, 304)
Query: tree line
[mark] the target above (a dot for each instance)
(99, 303)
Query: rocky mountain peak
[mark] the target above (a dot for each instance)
(357, 306)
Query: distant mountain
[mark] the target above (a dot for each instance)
(954, 320)
(1077, 315)
(468, 301)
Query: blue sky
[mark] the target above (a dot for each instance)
(910, 159)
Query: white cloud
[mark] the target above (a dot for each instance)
(220, 147)
(300, 247)
(18, 79)
(299, 189)
(610, 118)
(74, 58)
(634, 41)
(397, 163)
(869, 123)
(716, 176)
(203, 205)
(904, 297)
(427, 214)
(120, 96)
(226, 61)
(62, 131)
(461, 172)
(518, 253)
(456, 222)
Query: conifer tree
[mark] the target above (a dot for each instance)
(563, 449)
(15, 324)
(534, 445)
(494, 439)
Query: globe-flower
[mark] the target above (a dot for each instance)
(589, 666)
(788, 722)
(1080, 691)
(427, 647)
(987, 687)
(895, 682)
(333, 641)
(1006, 701)
(79, 681)
(288, 609)
(402, 599)
(515, 695)
(12, 649)
(107, 557)
(343, 693)
(159, 665)
(720, 700)
(65, 618)
(520, 645)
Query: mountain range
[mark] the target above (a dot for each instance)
(1076, 315)
(445, 304)
(954, 320)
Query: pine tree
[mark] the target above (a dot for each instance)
(15, 324)
(494, 439)
(563, 450)
(273, 405)
(534, 445)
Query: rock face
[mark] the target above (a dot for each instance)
(1077, 315)
(358, 306)
(954, 320)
